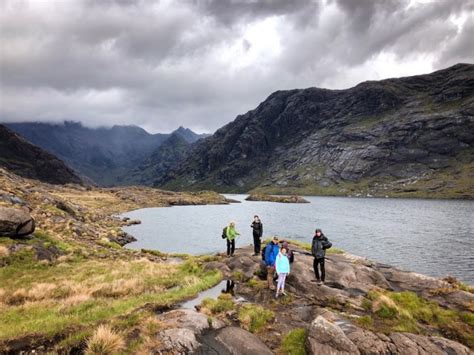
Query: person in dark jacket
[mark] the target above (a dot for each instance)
(257, 228)
(318, 249)
(271, 251)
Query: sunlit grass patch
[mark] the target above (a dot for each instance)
(49, 299)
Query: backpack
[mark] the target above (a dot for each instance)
(263, 252)
(224, 232)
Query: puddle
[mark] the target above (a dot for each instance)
(226, 286)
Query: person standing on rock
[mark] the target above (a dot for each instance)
(318, 249)
(282, 266)
(257, 228)
(231, 234)
(271, 251)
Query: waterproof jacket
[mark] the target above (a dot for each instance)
(257, 228)
(231, 233)
(271, 252)
(319, 246)
(282, 264)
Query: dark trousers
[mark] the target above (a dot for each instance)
(230, 246)
(319, 262)
(256, 244)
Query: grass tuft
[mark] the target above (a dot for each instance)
(294, 343)
(254, 317)
(104, 342)
(223, 303)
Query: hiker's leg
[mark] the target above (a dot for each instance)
(315, 268)
(233, 247)
(323, 271)
(278, 283)
(283, 282)
(228, 247)
(255, 244)
(258, 245)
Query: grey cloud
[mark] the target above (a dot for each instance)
(161, 65)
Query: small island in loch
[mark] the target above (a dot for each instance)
(276, 198)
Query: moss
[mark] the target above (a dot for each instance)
(408, 312)
(238, 275)
(294, 342)
(254, 317)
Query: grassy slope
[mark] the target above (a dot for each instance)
(87, 279)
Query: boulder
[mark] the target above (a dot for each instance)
(327, 338)
(15, 222)
(242, 342)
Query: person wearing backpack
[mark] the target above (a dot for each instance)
(282, 266)
(257, 231)
(231, 233)
(271, 251)
(318, 249)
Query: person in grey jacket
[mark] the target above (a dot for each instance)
(318, 249)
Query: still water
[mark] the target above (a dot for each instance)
(433, 237)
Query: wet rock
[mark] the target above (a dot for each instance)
(242, 342)
(325, 337)
(15, 222)
(182, 328)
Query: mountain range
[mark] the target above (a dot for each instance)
(409, 136)
(107, 156)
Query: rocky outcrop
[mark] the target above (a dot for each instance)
(406, 137)
(15, 222)
(23, 158)
(333, 314)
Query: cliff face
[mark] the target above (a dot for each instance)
(407, 136)
(166, 157)
(27, 160)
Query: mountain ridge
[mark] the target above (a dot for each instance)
(27, 160)
(106, 155)
(400, 137)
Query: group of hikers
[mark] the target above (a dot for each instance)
(277, 256)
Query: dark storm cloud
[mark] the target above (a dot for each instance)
(161, 64)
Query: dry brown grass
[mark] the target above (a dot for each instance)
(105, 341)
(41, 291)
(75, 300)
(4, 252)
(3, 294)
(17, 297)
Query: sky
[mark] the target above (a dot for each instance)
(199, 64)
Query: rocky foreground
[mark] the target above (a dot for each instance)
(68, 286)
(364, 308)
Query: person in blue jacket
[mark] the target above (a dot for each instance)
(271, 251)
(282, 266)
